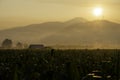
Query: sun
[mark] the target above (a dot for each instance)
(98, 11)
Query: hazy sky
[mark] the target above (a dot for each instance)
(23, 12)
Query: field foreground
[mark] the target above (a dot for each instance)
(60, 64)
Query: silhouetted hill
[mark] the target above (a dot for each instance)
(78, 31)
(75, 21)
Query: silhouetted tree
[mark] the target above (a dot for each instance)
(7, 43)
(19, 45)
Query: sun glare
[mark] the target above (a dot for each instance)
(98, 11)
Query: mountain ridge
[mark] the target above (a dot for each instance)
(77, 32)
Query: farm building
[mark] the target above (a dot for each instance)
(36, 46)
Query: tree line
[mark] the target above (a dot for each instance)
(8, 44)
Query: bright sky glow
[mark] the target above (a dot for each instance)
(98, 11)
(15, 13)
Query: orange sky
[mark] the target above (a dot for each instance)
(24, 12)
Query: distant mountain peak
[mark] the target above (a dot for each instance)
(76, 20)
(79, 18)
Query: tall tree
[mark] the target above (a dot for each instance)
(7, 43)
(19, 45)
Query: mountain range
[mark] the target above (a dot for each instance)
(77, 31)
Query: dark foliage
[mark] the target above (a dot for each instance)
(58, 64)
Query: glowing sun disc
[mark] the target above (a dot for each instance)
(98, 11)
